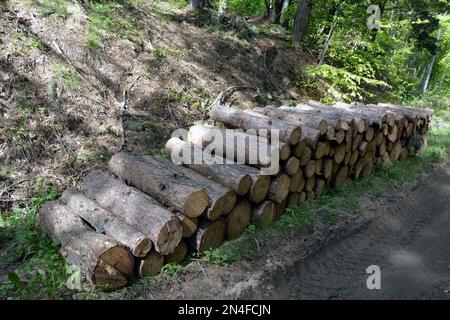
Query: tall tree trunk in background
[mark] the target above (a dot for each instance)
(277, 6)
(382, 4)
(323, 54)
(268, 4)
(301, 21)
(285, 22)
(431, 66)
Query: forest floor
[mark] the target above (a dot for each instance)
(63, 71)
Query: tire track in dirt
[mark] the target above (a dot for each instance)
(409, 240)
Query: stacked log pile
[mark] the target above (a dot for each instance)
(149, 211)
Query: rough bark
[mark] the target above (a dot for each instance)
(136, 209)
(105, 222)
(102, 260)
(301, 21)
(237, 177)
(248, 119)
(158, 180)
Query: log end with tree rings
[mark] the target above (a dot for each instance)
(260, 188)
(285, 151)
(221, 205)
(264, 214)
(150, 265)
(178, 254)
(244, 185)
(210, 235)
(279, 190)
(238, 219)
(196, 203)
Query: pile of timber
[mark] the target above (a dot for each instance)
(148, 211)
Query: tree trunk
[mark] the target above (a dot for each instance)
(136, 209)
(301, 21)
(102, 260)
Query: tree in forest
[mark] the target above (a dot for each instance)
(301, 21)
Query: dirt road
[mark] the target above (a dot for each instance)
(409, 241)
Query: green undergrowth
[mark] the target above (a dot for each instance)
(36, 270)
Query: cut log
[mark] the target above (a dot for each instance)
(310, 183)
(299, 149)
(322, 150)
(319, 164)
(178, 254)
(319, 186)
(310, 169)
(327, 168)
(305, 157)
(279, 190)
(312, 126)
(238, 220)
(392, 133)
(103, 221)
(188, 224)
(367, 170)
(158, 180)
(260, 188)
(280, 209)
(296, 181)
(291, 166)
(330, 117)
(221, 199)
(136, 209)
(210, 235)
(369, 134)
(339, 154)
(340, 136)
(341, 177)
(234, 176)
(235, 145)
(151, 265)
(102, 260)
(359, 121)
(293, 199)
(248, 119)
(291, 115)
(396, 151)
(264, 214)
